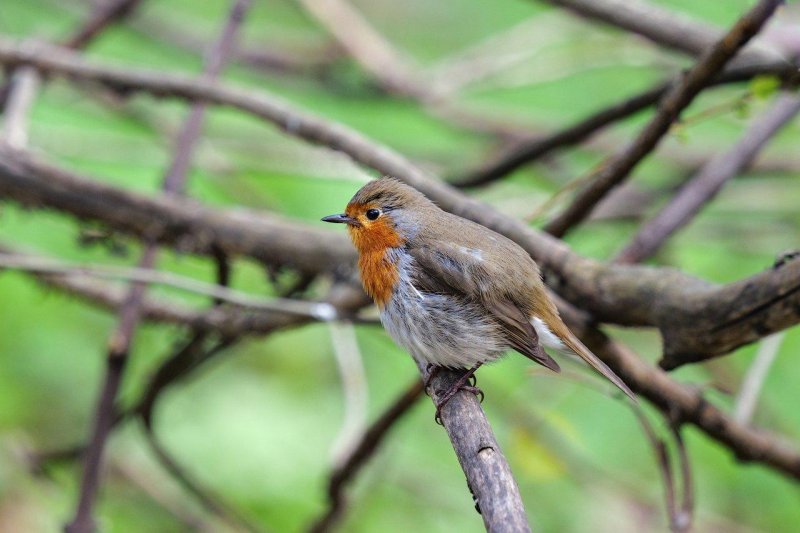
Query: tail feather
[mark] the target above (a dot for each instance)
(571, 342)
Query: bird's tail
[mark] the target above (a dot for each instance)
(558, 331)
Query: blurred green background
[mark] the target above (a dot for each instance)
(257, 426)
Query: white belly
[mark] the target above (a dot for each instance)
(441, 330)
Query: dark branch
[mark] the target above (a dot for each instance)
(613, 171)
(707, 183)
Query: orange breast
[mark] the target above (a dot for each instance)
(378, 274)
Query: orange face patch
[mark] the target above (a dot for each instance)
(373, 238)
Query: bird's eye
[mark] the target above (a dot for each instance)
(373, 214)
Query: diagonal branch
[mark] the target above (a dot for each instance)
(489, 477)
(632, 295)
(613, 171)
(685, 404)
(709, 181)
(747, 443)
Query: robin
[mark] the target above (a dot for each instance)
(453, 293)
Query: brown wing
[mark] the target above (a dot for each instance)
(441, 271)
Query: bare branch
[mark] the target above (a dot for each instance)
(709, 181)
(103, 16)
(488, 475)
(531, 150)
(613, 171)
(173, 221)
(354, 389)
(22, 92)
(319, 311)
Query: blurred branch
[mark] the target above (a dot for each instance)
(614, 170)
(347, 469)
(684, 404)
(312, 61)
(661, 26)
(489, 477)
(101, 17)
(753, 381)
(22, 93)
(369, 48)
(18, 95)
(354, 388)
(709, 181)
(173, 221)
(120, 342)
(393, 70)
(680, 518)
(694, 317)
(319, 311)
(210, 503)
(530, 150)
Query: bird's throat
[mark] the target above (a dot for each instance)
(379, 275)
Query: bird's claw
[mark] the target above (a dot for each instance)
(447, 396)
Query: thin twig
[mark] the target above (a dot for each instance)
(319, 311)
(747, 399)
(709, 181)
(529, 151)
(362, 452)
(685, 404)
(131, 310)
(24, 86)
(620, 165)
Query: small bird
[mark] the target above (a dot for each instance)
(453, 293)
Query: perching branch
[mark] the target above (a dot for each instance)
(613, 171)
(489, 477)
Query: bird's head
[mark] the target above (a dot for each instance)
(384, 213)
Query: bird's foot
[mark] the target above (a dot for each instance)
(467, 383)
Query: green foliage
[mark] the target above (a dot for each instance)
(256, 427)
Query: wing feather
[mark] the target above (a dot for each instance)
(449, 269)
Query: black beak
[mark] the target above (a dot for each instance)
(341, 219)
